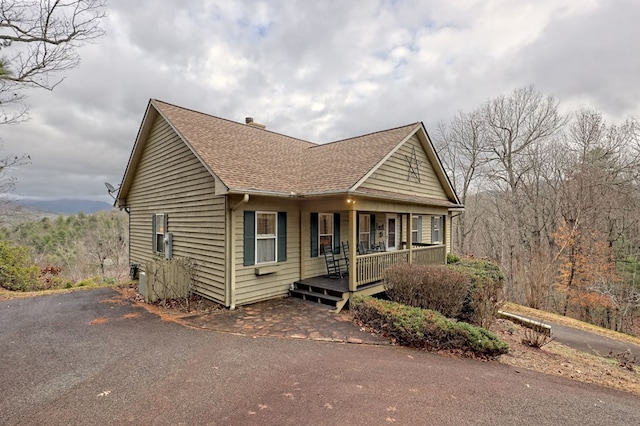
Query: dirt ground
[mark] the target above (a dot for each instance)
(559, 360)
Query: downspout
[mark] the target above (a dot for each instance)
(232, 252)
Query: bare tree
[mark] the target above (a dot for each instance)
(460, 145)
(600, 200)
(517, 127)
(104, 244)
(38, 41)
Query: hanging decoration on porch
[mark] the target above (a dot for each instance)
(414, 165)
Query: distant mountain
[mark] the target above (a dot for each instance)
(12, 213)
(67, 206)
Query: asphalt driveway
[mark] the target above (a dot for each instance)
(593, 343)
(91, 358)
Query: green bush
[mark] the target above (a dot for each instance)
(17, 272)
(429, 287)
(452, 258)
(423, 328)
(484, 297)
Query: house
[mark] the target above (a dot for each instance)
(254, 209)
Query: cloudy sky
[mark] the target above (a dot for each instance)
(318, 70)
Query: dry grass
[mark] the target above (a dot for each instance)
(559, 360)
(10, 295)
(569, 322)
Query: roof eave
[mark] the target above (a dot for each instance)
(253, 191)
(440, 172)
(134, 158)
(448, 204)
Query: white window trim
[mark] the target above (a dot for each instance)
(160, 220)
(273, 236)
(320, 234)
(417, 230)
(437, 229)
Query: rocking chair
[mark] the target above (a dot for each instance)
(334, 265)
(345, 252)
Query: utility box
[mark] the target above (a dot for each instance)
(142, 287)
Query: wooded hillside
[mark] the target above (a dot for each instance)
(553, 198)
(68, 249)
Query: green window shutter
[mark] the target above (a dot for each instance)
(282, 236)
(372, 229)
(249, 238)
(154, 240)
(336, 233)
(314, 234)
(419, 230)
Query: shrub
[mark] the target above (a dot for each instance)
(536, 338)
(423, 328)
(17, 272)
(429, 287)
(452, 258)
(484, 297)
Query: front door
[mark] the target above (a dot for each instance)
(392, 232)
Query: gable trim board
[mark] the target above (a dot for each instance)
(229, 173)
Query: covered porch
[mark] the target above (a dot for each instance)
(368, 236)
(365, 274)
(369, 268)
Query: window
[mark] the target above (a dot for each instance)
(416, 229)
(159, 225)
(265, 237)
(266, 241)
(364, 232)
(436, 229)
(325, 231)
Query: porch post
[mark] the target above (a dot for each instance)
(353, 251)
(409, 242)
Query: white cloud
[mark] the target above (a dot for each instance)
(319, 71)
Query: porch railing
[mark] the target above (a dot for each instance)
(433, 255)
(370, 267)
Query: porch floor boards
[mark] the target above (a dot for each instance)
(336, 284)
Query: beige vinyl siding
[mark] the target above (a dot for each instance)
(426, 228)
(392, 175)
(170, 179)
(316, 266)
(250, 287)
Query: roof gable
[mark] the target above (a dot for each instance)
(410, 171)
(338, 166)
